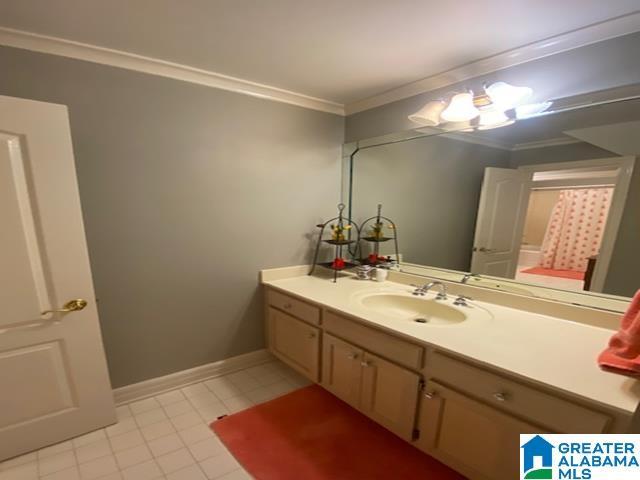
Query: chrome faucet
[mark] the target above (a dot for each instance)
(422, 290)
(467, 277)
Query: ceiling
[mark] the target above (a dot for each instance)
(621, 138)
(337, 50)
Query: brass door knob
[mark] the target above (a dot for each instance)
(70, 306)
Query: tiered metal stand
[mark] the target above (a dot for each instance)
(343, 225)
(378, 236)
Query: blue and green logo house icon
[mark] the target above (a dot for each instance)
(542, 468)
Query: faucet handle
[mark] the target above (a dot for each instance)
(461, 301)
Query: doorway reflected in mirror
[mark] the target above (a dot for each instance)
(551, 201)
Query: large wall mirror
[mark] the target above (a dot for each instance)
(548, 206)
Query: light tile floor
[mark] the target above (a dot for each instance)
(162, 437)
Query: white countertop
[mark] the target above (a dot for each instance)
(547, 350)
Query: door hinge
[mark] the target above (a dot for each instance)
(415, 435)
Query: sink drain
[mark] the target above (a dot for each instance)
(421, 320)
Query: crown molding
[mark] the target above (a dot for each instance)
(153, 66)
(596, 32)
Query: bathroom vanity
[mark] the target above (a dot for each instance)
(458, 382)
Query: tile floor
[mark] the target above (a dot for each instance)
(162, 437)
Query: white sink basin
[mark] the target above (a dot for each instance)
(417, 309)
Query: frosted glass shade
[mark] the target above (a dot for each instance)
(460, 109)
(505, 96)
(429, 115)
(493, 119)
(532, 109)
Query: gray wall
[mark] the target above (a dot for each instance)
(430, 187)
(187, 192)
(623, 277)
(609, 64)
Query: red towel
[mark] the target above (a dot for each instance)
(623, 353)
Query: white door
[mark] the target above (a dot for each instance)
(501, 214)
(53, 374)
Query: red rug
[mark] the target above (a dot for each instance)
(550, 272)
(311, 435)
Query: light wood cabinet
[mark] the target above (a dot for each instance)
(390, 394)
(468, 416)
(400, 351)
(382, 390)
(295, 342)
(479, 441)
(342, 369)
(515, 398)
(293, 306)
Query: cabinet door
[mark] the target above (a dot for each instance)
(295, 342)
(389, 395)
(477, 440)
(341, 369)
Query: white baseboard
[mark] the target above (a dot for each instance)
(154, 386)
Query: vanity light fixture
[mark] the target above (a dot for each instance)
(498, 106)
(493, 118)
(429, 115)
(461, 108)
(532, 109)
(505, 96)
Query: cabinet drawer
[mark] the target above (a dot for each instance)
(388, 346)
(293, 306)
(554, 413)
(479, 441)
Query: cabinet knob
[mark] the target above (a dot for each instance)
(311, 335)
(365, 363)
(352, 356)
(287, 306)
(500, 397)
(429, 395)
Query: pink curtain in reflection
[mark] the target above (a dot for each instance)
(574, 231)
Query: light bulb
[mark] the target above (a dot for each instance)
(493, 118)
(460, 108)
(429, 115)
(505, 96)
(532, 109)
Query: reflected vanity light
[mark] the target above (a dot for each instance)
(505, 96)
(494, 118)
(429, 115)
(532, 109)
(460, 109)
